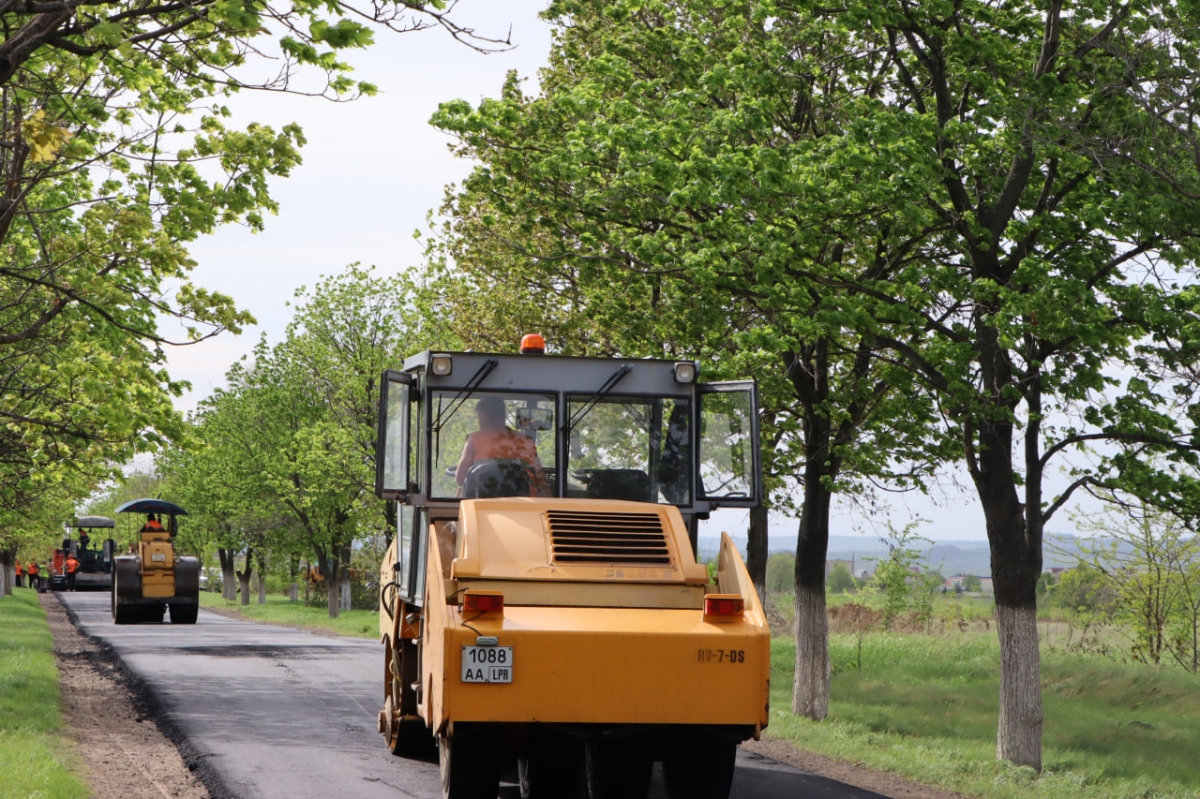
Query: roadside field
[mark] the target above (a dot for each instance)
(925, 706)
(36, 759)
(280, 610)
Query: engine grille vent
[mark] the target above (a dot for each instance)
(627, 538)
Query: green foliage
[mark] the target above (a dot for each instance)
(781, 572)
(939, 230)
(116, 153)
(286, 462)
(972, 584)
(35, 757)
(840, 580)
(1146, 561)
(898, 585)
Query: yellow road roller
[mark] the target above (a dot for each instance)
(153, 576)
(541, 606)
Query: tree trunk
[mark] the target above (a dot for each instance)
(262, 578)
(8, 571)
(228, 575)
(293, 572)
(244, 577)
(329, 568)
(808, 371)
(1019, 736)
(333, 600)
(756, 551)
(344, 581)
(810, 688)
(1015, 536)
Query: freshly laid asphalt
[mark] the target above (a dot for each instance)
(267, 712)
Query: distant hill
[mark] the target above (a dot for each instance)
(953, 557)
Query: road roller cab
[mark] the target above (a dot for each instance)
(541, 602)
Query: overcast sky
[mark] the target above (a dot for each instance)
(372, 171)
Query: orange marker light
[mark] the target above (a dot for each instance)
(726, 605)
(483, 602)
(533, 344)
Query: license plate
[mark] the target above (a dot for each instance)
(158, 557)
(487, 664)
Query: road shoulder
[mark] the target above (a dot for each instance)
(125, 754)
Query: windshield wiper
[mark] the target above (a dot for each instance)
(600, 394)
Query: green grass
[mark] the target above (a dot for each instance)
(36, 760)
(279, 610)
(926, 707)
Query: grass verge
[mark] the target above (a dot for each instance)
(926, 707)
(36, 760)
(279, 610)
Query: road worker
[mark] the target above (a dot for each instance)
(495, 439)
(20, 573)
(34, 578)
(152, 525)
(71, 566)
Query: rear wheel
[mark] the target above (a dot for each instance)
(470, 763)
(184, 614)
(122, 614)
(406, 733)
(554, 768)
(701, 768)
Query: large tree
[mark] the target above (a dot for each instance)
(994, 206)
(293, 436)
(1061, 145)
(667, 193)
(116, 152)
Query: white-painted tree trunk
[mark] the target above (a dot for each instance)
(1019, 737)
(810, 687)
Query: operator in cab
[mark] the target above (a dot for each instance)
(494, 439)
(152, 525)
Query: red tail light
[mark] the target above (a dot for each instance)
(483, 602)
(725, 605)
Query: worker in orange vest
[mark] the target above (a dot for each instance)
(20, 573)
(152, 525)
(32, 571)
(71, 566)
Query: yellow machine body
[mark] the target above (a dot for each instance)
(158, 564)
(591, 644)
(152, 578)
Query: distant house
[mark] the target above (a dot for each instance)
(954, 583)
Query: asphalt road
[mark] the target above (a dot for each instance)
(277, 713)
